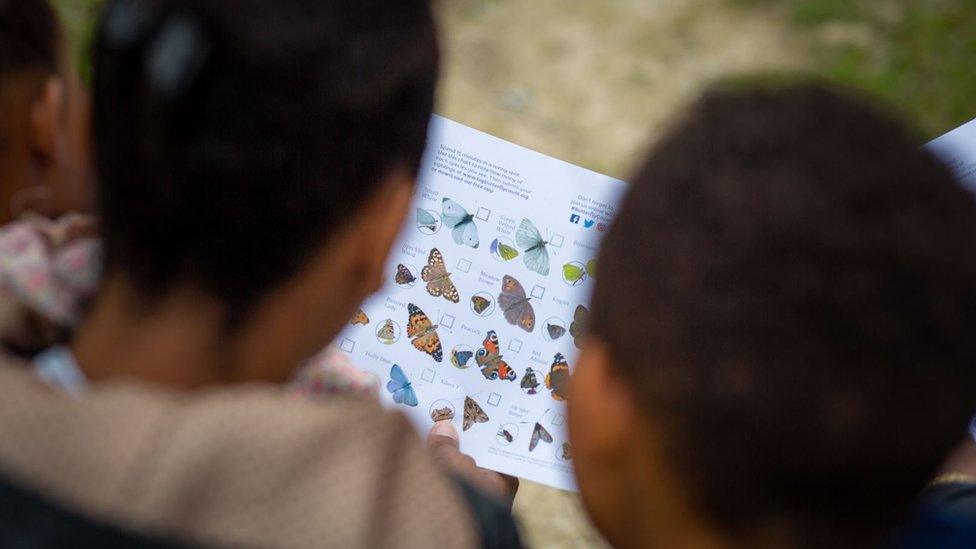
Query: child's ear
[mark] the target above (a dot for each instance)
(382, 217)
(603, 410)
(47, 112)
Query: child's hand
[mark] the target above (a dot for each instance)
(444, 443)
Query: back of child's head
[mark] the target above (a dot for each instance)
(30, 38)
(790, 287)
(235, 138)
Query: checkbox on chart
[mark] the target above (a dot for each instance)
(558, 419)
(427, 375)
(556, 241)
(494, 399)
(538, 292)
(514, 345)
(483, 214)
(447, 321)
(347, 345)
(463, 265)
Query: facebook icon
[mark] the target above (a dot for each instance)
(574, 219)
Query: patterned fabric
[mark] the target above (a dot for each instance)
(49, 270)
(242, 466)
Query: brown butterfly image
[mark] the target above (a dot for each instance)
(423, 333)
(386, 332)
(502, 432)
(438, 279)
(539, 433)
(403, 275)
(555, 331)
(515, 304)
(473, 413)
(557, 380)
(359, 318)
(480, 303)
(566, 452)
(529, 382)
(581, 317)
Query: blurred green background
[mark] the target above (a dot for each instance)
(594, 82)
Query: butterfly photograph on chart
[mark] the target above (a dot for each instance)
(505, 435)
(490, 361)
(557, 380)
(515, 304)
(438, 279)
(530, 383)
(473, 413)
(400, 387)
(555, 331)
(539, 433)
(403, 276)
(480, 303)
(502, 251)
(387, 333)
(463, 229)
(423, 333)
(359, 318)
(575, 273)
(427, 221)
(461, 355)
(535, 253)
(577, 329)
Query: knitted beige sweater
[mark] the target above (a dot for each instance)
(241, 466)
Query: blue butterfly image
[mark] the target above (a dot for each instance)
(401, 387)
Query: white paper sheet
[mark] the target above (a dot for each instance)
(958, 150)
(499, 184)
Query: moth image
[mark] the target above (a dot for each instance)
(441, 414)
(557, 380)
(503, 251)
(437, 278)
(400, 387)
(566, 452)
(359, 318)
(480, 303)
(505, 434)
(473, 413)
(403, 275)
(426, 220)
(555, 331)
(515, 304)
(423, 333)
(387, 332)
(463, 229)
(539, 433)
(535, 255)
(581, 317)
(490, 361)
(529, 382)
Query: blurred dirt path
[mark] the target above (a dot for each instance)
(592, 82)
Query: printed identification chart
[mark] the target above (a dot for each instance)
(488, 287)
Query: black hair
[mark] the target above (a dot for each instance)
(30, 38)
(234, 138)
(790, 285)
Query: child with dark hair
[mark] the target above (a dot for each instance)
(256, 160)
(783, 336)
(48, 258)
(44, 146)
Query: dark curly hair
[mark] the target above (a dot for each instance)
(791, 284)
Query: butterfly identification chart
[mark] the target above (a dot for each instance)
(487, 292)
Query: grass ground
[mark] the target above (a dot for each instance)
(593, 82)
